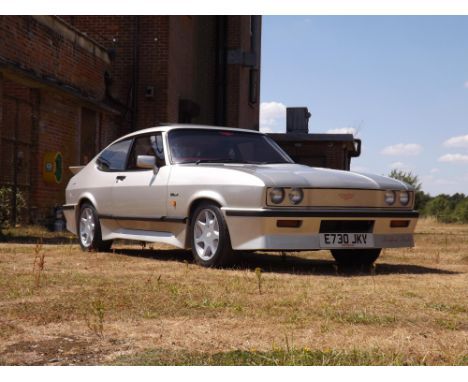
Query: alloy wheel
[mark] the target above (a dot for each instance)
(206, 234)
(87, 227)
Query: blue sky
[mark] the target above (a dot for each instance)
(400, 83)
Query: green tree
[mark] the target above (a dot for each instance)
(407, 177)
(441, 208)
(461, 211)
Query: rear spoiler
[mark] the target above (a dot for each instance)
(75, 169)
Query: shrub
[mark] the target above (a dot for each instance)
(6, 206)
(440, 208)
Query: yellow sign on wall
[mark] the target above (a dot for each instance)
(52, 168)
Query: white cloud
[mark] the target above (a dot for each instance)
(454, 158)
(343, 130)
(272, 117)
(406, 149)
(434, 170)
(465, 84)
(460, 141)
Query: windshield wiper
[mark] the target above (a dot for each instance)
(226, 160)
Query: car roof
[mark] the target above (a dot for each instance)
(166, 128)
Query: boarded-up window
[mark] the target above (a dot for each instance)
(89, 135)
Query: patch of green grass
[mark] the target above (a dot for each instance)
(303, 357)
(207, 303)
(449, 324)
(451, 308)
(358, 317)
(411, 294)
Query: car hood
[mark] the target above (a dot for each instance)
(296, 175)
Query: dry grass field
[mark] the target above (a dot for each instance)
(60, 306)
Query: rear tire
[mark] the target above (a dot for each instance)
(211, 245)
(356, 257)
(89, 230)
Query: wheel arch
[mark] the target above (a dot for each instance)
(83, 199)
(194, 204)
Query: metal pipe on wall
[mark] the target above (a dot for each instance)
(220, 75)
(135, 69)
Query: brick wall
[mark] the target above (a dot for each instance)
(50, 54)
(49, 72)
(153, 69)
(137, 44)
(116, 34)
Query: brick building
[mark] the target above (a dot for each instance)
(69, 85)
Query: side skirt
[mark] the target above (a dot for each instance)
(164, 231)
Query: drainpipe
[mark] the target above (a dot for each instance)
(255, 40)
(136, 66)
(220, 74)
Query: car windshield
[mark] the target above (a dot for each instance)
(224, 146)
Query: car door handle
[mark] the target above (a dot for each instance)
(119, 177)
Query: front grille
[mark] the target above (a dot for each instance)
(346, 226)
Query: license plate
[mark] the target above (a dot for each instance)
(346, 240)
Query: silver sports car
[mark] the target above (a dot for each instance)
(219, 190)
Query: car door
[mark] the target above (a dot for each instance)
(139, 196)
(108, 165)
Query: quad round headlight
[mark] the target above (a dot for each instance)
(296, 195)
(276, 195)
(404, 197)
(390, 197)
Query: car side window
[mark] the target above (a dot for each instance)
(147, 145)
(114, 158)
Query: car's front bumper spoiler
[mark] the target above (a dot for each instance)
(257, 229)
(322, 213)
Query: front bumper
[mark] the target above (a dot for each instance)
(257, 229)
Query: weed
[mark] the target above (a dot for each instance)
(70, 246)
(158, 281)
(174, 289)
(258, 273)
(96, 320)
(39, 262)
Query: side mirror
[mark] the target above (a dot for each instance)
(148, 162)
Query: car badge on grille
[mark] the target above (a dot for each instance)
(346, 196)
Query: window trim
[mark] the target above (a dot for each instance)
(131, 139)
(131, 148)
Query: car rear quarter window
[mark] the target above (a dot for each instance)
(114, 158)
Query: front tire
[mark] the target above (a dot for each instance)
(356, 257)
(89, 230)
(211, 245)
